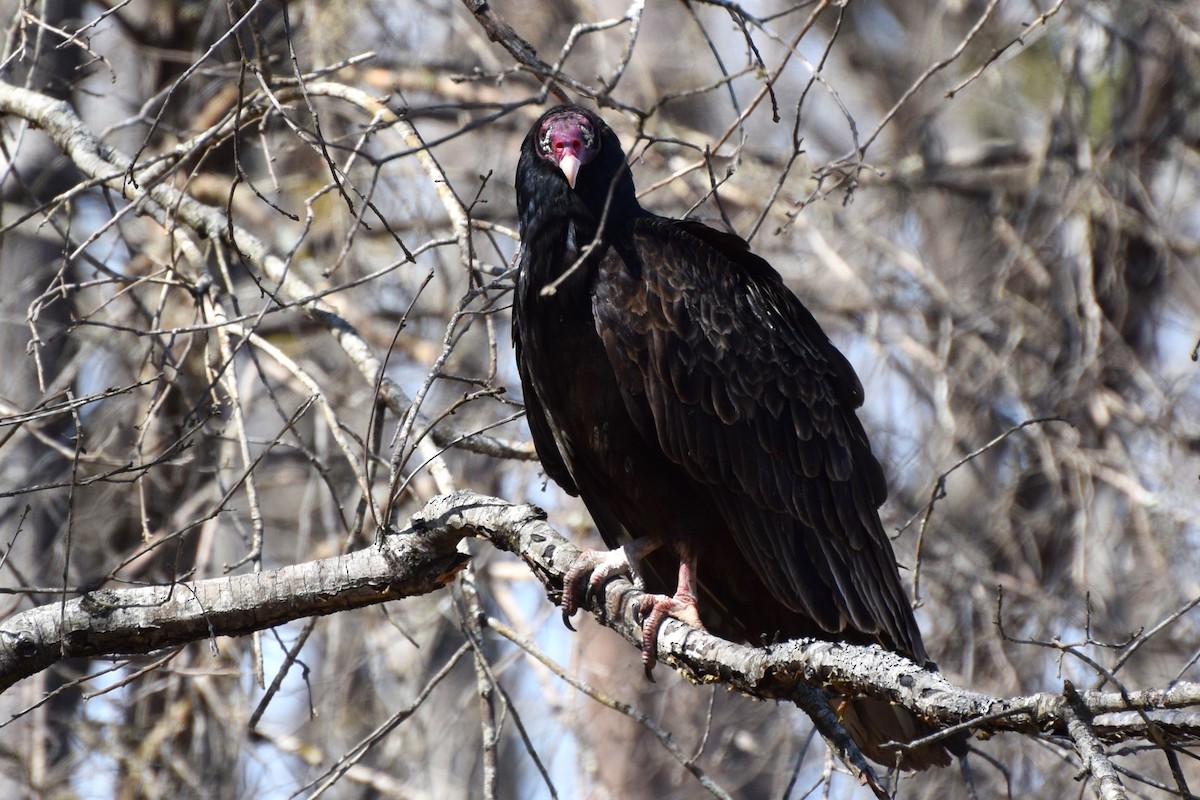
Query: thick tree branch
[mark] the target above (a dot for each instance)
(112, 622)
(776, 671)
(423, 558)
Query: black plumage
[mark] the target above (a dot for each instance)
(675, 384)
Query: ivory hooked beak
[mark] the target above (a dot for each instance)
(570, 165)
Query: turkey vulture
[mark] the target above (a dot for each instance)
(675, 384)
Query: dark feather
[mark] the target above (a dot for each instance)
(675, 383)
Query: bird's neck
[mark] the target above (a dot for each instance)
(555, 249)
(556, 233)
(566, 232)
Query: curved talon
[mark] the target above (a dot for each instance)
(654, 610)
(570, 597)
(587, 575)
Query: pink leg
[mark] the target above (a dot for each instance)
(657, 607)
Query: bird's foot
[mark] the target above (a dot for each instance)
(655, 609)
(588, 573)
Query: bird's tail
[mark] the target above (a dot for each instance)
(873, 723)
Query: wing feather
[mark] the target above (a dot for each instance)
(541, 427)
(735, 380)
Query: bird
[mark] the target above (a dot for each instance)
(674, 383)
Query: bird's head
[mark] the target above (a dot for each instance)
(572, 166)
(567, 138)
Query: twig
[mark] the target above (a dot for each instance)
(638, 716)
(1041, 20)
(356, 753)
(106, 164)
(929, 72)
(815, 703)
(939, 491)
(1091, 752)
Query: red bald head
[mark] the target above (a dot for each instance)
(568, 139)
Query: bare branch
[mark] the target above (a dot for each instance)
(110, 622)
(1078, 720)
(106, 164)
(423, 558)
